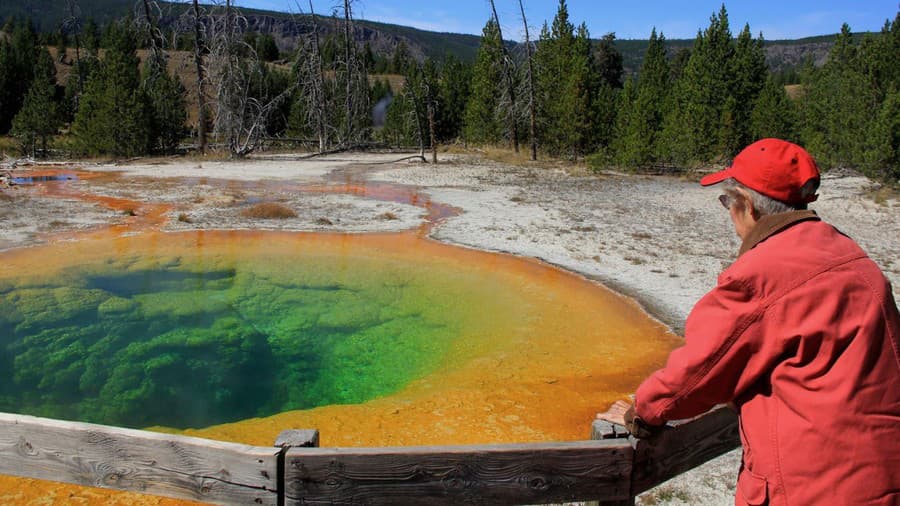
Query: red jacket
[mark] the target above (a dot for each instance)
(802, 333)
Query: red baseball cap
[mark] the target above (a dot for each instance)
(776, 168)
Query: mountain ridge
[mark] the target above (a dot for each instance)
(383, 38)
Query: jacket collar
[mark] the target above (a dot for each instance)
(771, 224)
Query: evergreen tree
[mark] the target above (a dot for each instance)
(401, 59)
(886, 140)
(839, 108)
(400, 125)
(748, 73)
(91, 36)
(18, 59)
(168, 112)
(609, 61)
(701, 99)
(605, 76)
(641, 109)
(482, 124)
(266, 48)
(39, 117)
(774, 114)
(113, 116)
(567, 89)
(454, 91)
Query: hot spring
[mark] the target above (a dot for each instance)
(373, 339)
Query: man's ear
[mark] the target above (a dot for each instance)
(746, 203)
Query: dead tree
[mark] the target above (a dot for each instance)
(349, 77)
(154, 37)
(74, 24)
(309, 77)
(240, 118)
(351, 72)
(508, 71)
(530, 78)
(199, 50)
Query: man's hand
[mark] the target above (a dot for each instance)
(616, 413)
(622, 413)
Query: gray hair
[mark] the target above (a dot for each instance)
(762, 204)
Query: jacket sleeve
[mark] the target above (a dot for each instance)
(725, 352)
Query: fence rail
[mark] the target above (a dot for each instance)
(611, 468)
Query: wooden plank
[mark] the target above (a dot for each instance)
(137, 461)
(682, 447)
(493, 474)
(601, 429)
(298, 438)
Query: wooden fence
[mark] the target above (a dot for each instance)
(610, 468)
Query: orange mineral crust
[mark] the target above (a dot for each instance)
(540, 351)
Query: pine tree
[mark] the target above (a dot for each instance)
(482, 124)
(774, 114)
(18, 59)
(113, 116)
(39, 117)
(839, 108)
(605, 72)
(454, 90)
(400, 127)
(168, 113)
(748, 72)
(567, 88)
(885, 155)
(691, 131)
(641, 110)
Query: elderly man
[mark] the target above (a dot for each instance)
(802, 335)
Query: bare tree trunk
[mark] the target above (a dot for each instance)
(201, 99)
(510, 85)
(431, 130)
(349, 90)
(417, 107)
(240, 118)
(72, 6)
(531, 104)
(155, 37)
(319, 86)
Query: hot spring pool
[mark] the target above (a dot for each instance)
(337, 332)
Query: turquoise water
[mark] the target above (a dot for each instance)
(141, 340)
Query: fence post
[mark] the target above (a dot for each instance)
(294, 438)
(602, 429)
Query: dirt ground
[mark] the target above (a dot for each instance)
(662, 240)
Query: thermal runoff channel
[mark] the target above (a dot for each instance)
(191, 330)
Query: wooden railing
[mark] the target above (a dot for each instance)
(610, 468)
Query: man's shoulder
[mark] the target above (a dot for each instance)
(803, 250)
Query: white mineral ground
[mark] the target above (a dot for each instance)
(661, 240)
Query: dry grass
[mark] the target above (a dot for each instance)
(881, 195)
(793, 90)
(9, 146)
(269, 211)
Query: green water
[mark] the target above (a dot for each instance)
(191, 342)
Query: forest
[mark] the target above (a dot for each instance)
(560, 94)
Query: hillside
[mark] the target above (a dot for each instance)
(381, 37)
(780, 54)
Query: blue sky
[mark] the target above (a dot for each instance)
(629, 19)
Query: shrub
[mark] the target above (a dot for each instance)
(269, 211)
